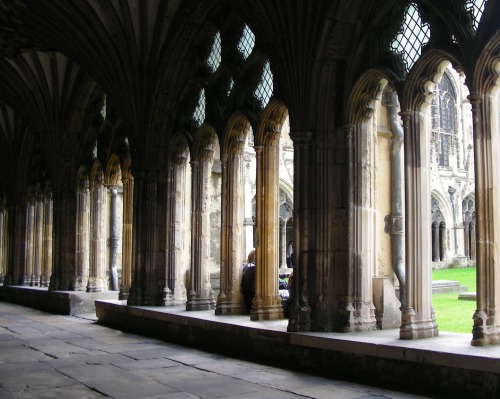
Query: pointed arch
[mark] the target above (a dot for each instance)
(485, 99)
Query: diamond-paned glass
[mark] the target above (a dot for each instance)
(412, 36)
(215, 57)
(246, 43)
(475, 8)
(264, 89)
(199, 111)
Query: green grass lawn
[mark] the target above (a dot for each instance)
(451, 314)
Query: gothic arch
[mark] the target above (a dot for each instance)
(271, 123)
(485, 111)
(113, 174)
(418, 317)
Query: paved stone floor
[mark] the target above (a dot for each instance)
(50, 356)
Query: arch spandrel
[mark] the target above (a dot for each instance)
(421, 82)
(365, 92)
(178, 149)
(235, 134)
(204, 143)
(271, 124)
(96, 174)
(487, 73)
(127, 167)
(113, 174)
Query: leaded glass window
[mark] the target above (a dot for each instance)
(444, 124)
(412, 36)
(247, 42)
(214, 59)
(264, 89)
(475, 8)
(103, 109)
(199, 111)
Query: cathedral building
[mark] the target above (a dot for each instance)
(147, 147)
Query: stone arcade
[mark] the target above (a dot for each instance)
(147, 146)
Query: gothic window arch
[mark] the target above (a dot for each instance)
(247, 42)
(469, 221)
(444, 124)
(438, 232)
(412, 36)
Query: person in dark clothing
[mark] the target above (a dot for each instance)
(248, 286)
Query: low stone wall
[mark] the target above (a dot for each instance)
(395, 363)
(57, 302)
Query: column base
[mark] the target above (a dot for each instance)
(300, 318)
(485, 331)
(411, 328)
(97, 284)
(200, 303)
(271, 311)
(360, 317)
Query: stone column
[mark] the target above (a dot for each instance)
(64, 213)
(113, 240)
(230, 299)
(38, 242)
(97, 274)
(357, 312)
(47, 240)
(28, 241)
(248, 222)
(486, 318)
(300, 309)
(3, 241)
(418, 317)
(136, 287)
(82, 237)
(200, 294)
(283, 243)
(128, 211)
(267, 302)
(151, 295)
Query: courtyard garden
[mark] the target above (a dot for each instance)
(454, 315)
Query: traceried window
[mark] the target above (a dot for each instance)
(469, 221)
(199, 111)
(264, 89)
(444, 125)
(247, 42)
(412, 36)
(215, 57)
(475, 8)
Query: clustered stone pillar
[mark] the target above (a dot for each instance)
(229, 300)
(128, 211)
(418, 317)
(113, 240)
(38, 241)
(82, 236)
(3, 241)
(28, 241)
(486, 318)
(47, 240)
(267, 302)
(300, 309)
(200, 294)
(97, 281)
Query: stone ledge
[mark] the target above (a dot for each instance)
(57, 302)
(446, 366)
